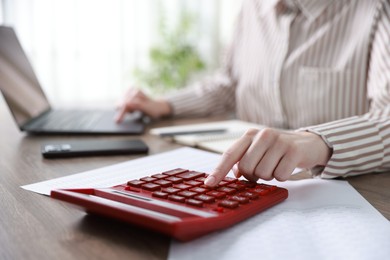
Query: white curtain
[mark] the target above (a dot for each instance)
(84, 51)
(1, 11)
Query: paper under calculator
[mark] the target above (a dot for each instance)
(177, 203)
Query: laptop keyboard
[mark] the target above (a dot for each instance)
(63, 120)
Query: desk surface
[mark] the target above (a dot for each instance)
(36, 227)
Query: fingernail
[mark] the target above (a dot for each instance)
(236, 172)
(210, 181)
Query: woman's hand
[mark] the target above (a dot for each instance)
(270, 153)
(136, 100)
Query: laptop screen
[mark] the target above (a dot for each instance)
(18, 83)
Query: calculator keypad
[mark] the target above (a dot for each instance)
(177, 203)
(186, 187)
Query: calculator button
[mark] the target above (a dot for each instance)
(217, 194)
(150, 186)
(207, 187)
(176, 198)
(198, 190)
(236, 186)
(222, 183)
(148, 179)
(205, 198)
(160, 194)
(170, 190)
(191, 175)
(129, 188)
(163, 183)
(261, 191)
(267, 187)
(228, 204)
(135, 183)
(240, 199)
(250, 195)
(174, 172)
(201, 179)
(194, 202)
(193, 183)
(159, 176)
(182, 186)
(248, 184)
(187, 194)
(227, 190)
(229, 179)
(174, 180)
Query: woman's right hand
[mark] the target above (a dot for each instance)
(136, 100)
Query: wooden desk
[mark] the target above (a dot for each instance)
(36, 227)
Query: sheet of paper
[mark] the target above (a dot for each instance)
(188, 158)
(321, 219)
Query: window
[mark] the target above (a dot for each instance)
(86, 50)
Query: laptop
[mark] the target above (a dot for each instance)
(31, 109)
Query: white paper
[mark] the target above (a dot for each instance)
(187, 158)
(321, 219)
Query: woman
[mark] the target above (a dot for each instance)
(319, 67)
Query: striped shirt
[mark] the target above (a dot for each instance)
(316, 65)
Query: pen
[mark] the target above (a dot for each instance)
(208, 131)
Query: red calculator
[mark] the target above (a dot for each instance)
(177, 203)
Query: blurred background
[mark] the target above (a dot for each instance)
(91, 51)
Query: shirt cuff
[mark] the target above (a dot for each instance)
(357, 147)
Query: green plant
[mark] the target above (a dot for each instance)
(174, 60)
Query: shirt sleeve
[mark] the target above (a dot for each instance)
(214, 95)
(361, 144)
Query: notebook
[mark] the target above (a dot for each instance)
(215, 136)
(31, 109)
